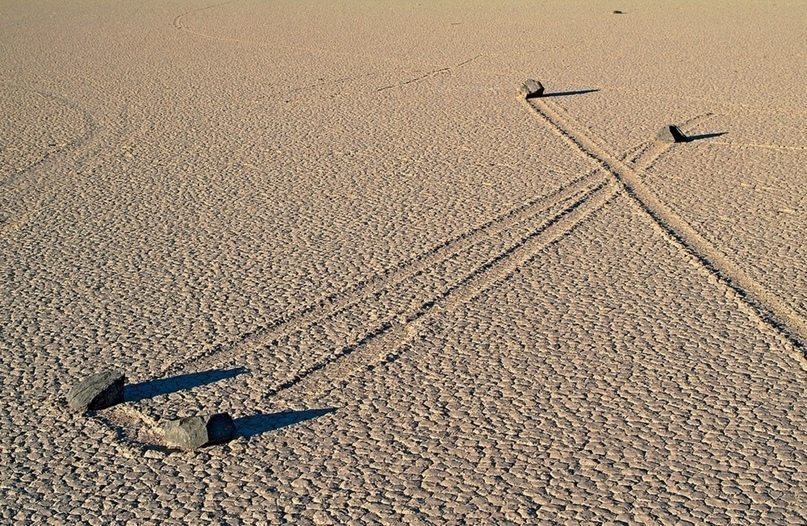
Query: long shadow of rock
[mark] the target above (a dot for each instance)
(141, 391)
(691, 138)
(569, 93)
(252, 425)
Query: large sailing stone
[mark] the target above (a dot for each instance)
(671, 133)
(194, 432)
(531, 89)
(97, 392)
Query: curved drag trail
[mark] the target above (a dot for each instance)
(770, 307)
(179, 24)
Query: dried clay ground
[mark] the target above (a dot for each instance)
(422, 299)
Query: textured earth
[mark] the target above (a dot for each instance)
(422, 299)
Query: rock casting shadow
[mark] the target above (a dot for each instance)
(141, 391)
(568, 93)
(249, 426)
(691, 138)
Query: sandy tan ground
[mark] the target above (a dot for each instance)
(423, 300)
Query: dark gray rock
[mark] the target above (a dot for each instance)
(671, 133)
(531, 89)
(186, 433)
(97, 392)
(194, 432)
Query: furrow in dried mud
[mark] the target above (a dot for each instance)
(386, 345)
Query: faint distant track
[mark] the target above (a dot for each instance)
(427, 75)
(745, 145)
(367, 289)
(747, 108)
(86, 153)
(178, 20)
(89, 125)
(179, 23)
(770, 307)
(9, 220)
(389, 341)
(416, 79)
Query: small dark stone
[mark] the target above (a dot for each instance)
(220, 428)
(618, 12)
(671, 133)
(97, 392)
(194, 432)
(530, 89)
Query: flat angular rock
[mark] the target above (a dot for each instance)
(194, 432)
(671, 133)
(531, 89)
(97, 392)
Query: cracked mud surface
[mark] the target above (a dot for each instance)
(422, 300)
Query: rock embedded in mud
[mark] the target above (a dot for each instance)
(97, 391)
(194, 432)
(671, 133)
(531, 89)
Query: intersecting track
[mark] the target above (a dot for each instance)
(769, 307)
(542, 223)
(415, 292)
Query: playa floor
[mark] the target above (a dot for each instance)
(422, 298)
